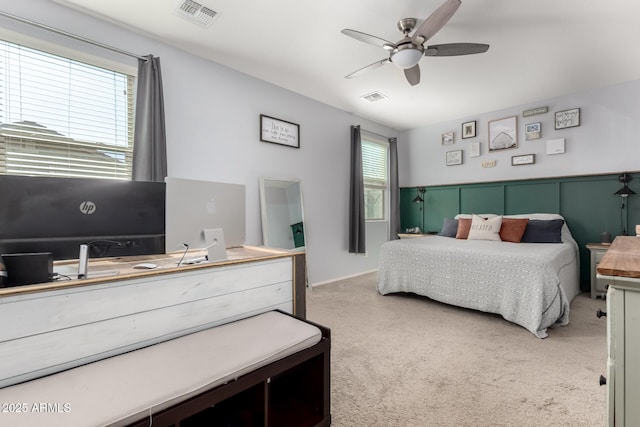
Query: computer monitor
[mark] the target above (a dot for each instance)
(194, 206)
(51, 214)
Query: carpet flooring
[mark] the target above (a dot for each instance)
(403, 360)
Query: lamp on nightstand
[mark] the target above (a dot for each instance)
(624, 192)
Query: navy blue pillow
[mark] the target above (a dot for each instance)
(543, 231)
(449, 228)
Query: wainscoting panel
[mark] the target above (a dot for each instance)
(587, 203)
(534, 196)
(482, 199)
(442, 203)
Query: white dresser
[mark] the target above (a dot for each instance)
(620, 268)
(54, 326)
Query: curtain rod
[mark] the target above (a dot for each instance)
(386, 138)
(70, 35)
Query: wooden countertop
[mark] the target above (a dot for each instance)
(121, 268)
(622, 258)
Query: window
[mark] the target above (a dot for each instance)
(375, 174)
(61, 117)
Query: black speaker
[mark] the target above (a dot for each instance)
(27, 269)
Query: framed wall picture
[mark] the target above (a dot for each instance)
(567, 118)
(535, 111)
(279, 131)
(474, 149)
(503, 133)
(447, 138)
(454, 158)
(523, 159)
(532, 131)
(555, 146)
(469, 130)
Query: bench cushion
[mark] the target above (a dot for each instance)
(125, 388)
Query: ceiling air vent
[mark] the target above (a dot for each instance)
(374, 96)
(196, 13)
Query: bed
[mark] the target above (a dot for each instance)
(528, 282)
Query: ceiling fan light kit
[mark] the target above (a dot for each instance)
(406, 53)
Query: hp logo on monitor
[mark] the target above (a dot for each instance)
(87, 207)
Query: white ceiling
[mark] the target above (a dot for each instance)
(539, 49)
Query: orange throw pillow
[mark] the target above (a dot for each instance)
(464, 225)
(512, 229)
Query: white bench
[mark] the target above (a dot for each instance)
(255, 364)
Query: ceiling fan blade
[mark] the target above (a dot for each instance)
(368, 38)
(368, 68)
(455, 49)
(413, 75)
(435, 21)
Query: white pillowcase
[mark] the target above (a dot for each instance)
(485, 229)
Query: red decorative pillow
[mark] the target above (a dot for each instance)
(464, 225)
(513, 229)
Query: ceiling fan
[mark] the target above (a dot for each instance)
(407, 52)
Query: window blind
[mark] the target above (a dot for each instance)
(374, 164)
(61, 117)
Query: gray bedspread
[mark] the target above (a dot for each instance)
(520, 281)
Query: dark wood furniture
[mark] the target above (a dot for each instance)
(293, 391)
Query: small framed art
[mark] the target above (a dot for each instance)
(469, 129)
(503, 133)
(474, 149)
(532, 131)
(454, 158)
(555, 146)
(523, 159)
(568, 118)
(447, 138)
(279, 131)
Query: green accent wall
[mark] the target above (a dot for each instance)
(587, 203)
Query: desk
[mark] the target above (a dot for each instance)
(620, 268)
(54, 326)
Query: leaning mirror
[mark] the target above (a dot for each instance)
(282, 214)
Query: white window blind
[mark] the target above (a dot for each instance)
(374, 163)
(374, 174)
(61, 117)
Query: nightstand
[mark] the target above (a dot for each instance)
(598, 286)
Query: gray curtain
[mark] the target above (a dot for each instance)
(150, 140)
(356, 201)
(394, 190)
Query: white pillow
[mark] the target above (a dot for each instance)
(485, 229)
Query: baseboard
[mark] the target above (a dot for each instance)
(326, 282)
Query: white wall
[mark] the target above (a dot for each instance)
(607, 141)
(212, 122)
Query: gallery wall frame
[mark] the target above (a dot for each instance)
(555, 146)
(523, 159)
(448, 137)
(567, 118)
(454, 158)
(469, 129)
(535, 111)
(474, 149)
(503, 133)
(532, 131)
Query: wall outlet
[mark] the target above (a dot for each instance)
(489, 164)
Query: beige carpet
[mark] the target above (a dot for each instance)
(401, 360)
